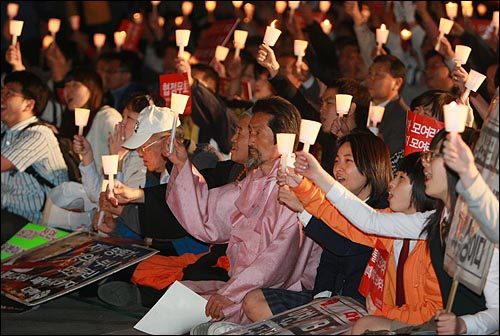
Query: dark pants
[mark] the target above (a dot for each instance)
(11, 224)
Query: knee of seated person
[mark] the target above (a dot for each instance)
(251, 303)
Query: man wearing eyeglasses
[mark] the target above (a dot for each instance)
(26, 147)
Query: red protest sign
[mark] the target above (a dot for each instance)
(134, 33)
(420, 130)
(175, 83)
(373, 279)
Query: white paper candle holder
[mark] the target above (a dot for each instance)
(221, 53)
(309, 130)
(15, 29)
(240, 38)
(120, 37)
(110, 164)
(271, 36)
(74, 22)
(451, 10)
(280, 6)
(461, 54)
(177, 106)
(326, 26)
(467, 8)
(293, 5)
(382, 34)
(299, 49)
(210, 6)
(81, 118)
(474, 81)
(375, 115)
(187, 8)
(99, 40)
(182, 39)
(343, 103)
(324, 6)
(445, 26)
(285, 142)
(47, 41)
(54, 25)
(455, 116)
(12, 10)
(237, 4)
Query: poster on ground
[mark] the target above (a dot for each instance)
(66, 264)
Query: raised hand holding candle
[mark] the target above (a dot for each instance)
(455, 116)
(221, 53)
(240, 38)
(461, 54)
(343, 104)
(81, 118)
(110, 168)
(375, 115)
(74, 22)
(293, 5)
(272, 34)
(474, 81)
(299, 49)
(445, 26)
(177, 106)
(382, 35)
(182, 39)
(451, 10)
(15, 29)
(12, 10)
(285, 142)
(309, 130)
(120, 37)
(326, 26)
(99, 40)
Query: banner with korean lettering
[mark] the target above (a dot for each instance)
(468, 250)
(66, 264)
(373, 279)
(134, 34)
(175, 83)
(420, 130)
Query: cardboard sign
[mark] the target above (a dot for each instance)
(420, 130)
(175, 83)
(373, 279)
(134, 34)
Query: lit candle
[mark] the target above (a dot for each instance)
(221, 53)
(452, 10)
(461, 54)
(182, 39)
(293, 5)
(467, 8)
(74, 22)
(54, 25)
(110, 168)
(445, 26)
(326, 26)
(382, 34)
(47, 41)
(494, 21)
(299, 49)
(240, 37)
(455, 116)
(155, 8)
(324, 6)
(280, 6)
(12, 10)
(272, 34)
(187, 8)
(120, 37)
(99, 40)
(179, 20)
(161, 21)
(81, 118)
(285, 142)
(482, 9)
(177, 106)
(249, 10)
(375, 115)
(210, 6)
(343, 104)
(405, 34)
(309, 130)
(15, 28)
(237, 4)
(137, 17)
(474, 81)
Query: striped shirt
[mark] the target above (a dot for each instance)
(37, 146)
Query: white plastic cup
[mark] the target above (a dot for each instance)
(445, 25)
(271, 36)
(343, 103)
(15, 29)
(178, 103)
(285, 142)
(455, 117)
(12, 10)
(120, 37)
(324, 6)
(81, 118)
(182, 39)
(110, 165)
(221, 53)
(54, 25)
(382, 34)
(280, 6)
(309, 130)
(187, 8)
(474, 80)
(375, 115)
(99, 40)
(451, 10)
(461, 54)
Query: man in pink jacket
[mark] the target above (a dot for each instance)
(265, 245)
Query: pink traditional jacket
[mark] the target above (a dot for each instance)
(266, 247)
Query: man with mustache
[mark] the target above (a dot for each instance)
(265, 245)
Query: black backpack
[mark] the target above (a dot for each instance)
(71, 159)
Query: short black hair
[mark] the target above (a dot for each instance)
(32, 87)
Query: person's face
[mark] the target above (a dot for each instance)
(263, 88)
(437, 74)
(76, 94)
(400, 194)
(128, 122)
(287, 65)
(261, 146)
(239, 141)
(346, 172)
(425, 110)
(436, 182)
(102, 69)
(115, 77)
(380, 83)
(14, 104)
(150, 152)
(351, 64)
(327, 109)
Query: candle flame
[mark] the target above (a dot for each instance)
(383, 27)
(273, 24)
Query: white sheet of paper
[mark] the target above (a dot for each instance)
(175, 313)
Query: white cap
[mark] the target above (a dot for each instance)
(152, 119)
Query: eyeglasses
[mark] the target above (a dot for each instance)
(429, 156)
(7, 93)
(145, 148)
